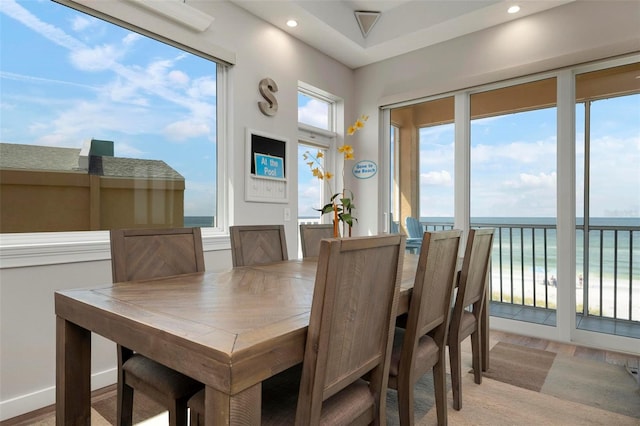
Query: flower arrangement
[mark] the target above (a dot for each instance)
(341, 203)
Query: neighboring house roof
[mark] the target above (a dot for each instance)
(132, 168)
(35, 157)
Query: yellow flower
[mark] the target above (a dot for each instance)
(359, 124)
(345, 149)
(341, 203)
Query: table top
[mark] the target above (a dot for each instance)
(226, 329)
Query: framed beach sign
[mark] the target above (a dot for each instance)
(266, 161)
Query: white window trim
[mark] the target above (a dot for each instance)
(19, 250)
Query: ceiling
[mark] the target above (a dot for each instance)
(403, 25)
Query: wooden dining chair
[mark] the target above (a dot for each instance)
(139, 254)
(310, 236)
(467, 312)
(421, 346)
(257, 244)
(349, 336)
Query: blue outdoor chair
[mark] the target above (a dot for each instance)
(415, 230)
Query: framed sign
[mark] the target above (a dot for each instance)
(266, 166)
(365, 169)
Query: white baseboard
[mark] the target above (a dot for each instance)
(35, 400)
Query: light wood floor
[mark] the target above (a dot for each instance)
(46, 416)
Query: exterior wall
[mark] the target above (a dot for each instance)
(36, 198)
(59, 201)
(128, 203)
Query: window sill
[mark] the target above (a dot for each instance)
(51, 248)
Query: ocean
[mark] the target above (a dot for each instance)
(515, 243)
(518, 234)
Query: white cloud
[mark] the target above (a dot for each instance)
(314, 113)
(441, 178)
(516, 152)
(178, 78)
(80, 23)
(98, 58)
(185, 129)
(526, 180)
(202, 87)
(131, 38)
(57, 36)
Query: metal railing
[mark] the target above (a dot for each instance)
(524, 267)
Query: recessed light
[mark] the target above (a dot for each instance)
(292, 23)
(514, 9)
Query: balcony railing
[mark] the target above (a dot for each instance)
(524, 268)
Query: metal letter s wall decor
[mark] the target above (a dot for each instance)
(267, 88)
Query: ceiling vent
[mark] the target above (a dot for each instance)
(366, 20)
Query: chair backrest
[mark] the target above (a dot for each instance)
(430, 306)
(350, 329)
(414, 228)
(257, 244)
(138, 254)
(310, 236)
(472, 284)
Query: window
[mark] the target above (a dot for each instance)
(513, 181)
(102, 127)
(608, 194)
(316, 126)
(423, 157)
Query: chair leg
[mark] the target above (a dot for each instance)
(195, 419)
(125, 404)
(405, 399)
(484, 319)
(456, 374)
(440, 385)
(476, 355)
(178, 413)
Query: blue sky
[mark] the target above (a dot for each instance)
(513, 163)
(68, 77)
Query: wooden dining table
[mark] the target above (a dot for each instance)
(229, 330)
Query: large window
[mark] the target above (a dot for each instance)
(513, 183)
(422, 185)
(514, 163)
(102, 127)
(608, 194)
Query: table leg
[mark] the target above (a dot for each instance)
(73, 374)
(240, 409)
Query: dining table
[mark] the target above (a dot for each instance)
(229, 329)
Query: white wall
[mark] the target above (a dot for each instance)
(27, 318)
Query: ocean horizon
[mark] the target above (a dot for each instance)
(514, 244)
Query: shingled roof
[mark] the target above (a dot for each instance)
(34, 157)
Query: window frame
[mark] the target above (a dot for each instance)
(318, 137)
(51, 248)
